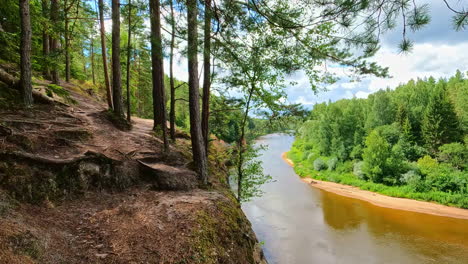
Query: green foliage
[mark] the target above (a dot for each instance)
(455, 154)
(357, 170)
(332, 163)
(378, 141)
(252, 174)
(53, 89)
(381, 161)
(319, 165)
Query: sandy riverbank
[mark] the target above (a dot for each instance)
(383, 200)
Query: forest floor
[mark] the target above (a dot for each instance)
(383, 200)
(139, 224)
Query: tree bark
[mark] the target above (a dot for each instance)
(206, 75)
(67, 41)
(26, 35)
(116, 69)
(198, 148)
(129, 50)
(45, 40)
(54, 14)
(171, 74)
(104, 55)
(92, 61)
(159, 97)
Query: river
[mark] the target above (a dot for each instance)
(299, 224)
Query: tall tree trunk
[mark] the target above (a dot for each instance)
(159, 97)
(54, 14)
(92, 61)
(240, 146)
(129, 50)
(140, 100)
(171, 74)
(206, 75)
(116, 69)
(198, 148)
(104, 55)
(26, 35)
(84, 62)
(45, 40)
(67, 41)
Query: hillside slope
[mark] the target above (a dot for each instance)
(75, 189)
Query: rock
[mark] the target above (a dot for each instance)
(167, 177)
(101, 255)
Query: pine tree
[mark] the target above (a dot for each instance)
(198, 148)
(26, 71)
(159, 97)
(116, 68)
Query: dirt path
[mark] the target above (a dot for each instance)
(383, 200)
(157, 215)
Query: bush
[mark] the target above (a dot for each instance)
(427, 164)
(455, 154)
(414, 180)
(319, 165)
(332, 163)
(357, 170)
(345, 167)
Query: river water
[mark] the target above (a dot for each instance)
(300, 224)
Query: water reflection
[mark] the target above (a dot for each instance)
(301, 224)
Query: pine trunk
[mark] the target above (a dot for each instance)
(129, 50)
(26, 34)
(116, 69)
(67, 42)
(198, 148)
(171, 75)
(92, 61)
(104, 55)
(159, 98)
(54, 14)
(206, 75)
(45, 40)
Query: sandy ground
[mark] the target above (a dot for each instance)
(383, 200)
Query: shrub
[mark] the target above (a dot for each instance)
(455, 154)
(345, 167)
(319, 165)
(357, 170)
(427, 164)
(332, 163)
(414, 180)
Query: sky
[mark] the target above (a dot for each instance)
(438, 51)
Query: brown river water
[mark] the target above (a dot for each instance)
(299, 224)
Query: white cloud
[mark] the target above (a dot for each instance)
(362, 94)
(302, 100)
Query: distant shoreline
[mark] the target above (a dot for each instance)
(383, 200)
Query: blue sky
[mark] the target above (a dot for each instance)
(438, 51)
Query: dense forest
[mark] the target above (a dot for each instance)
(409, 142)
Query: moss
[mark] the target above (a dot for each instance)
(223, 236)
(77, 134)
(26, 244)
(21, 140)
(9, 98)
(205, 244)
(7, 204)
(119, 122)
